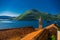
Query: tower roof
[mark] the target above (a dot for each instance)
(52, 26)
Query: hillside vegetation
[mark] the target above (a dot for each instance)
(34, 14)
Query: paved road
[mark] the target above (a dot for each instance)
(58, 35)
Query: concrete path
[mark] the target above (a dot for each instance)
(32, 35)
(58, 35)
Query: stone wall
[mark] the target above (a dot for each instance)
(53, 31)
(43, 35)
(47, 33)
(5, 34)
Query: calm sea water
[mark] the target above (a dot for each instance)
(5, 24)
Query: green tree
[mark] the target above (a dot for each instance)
(53, 37)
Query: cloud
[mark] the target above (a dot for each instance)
(6, 13)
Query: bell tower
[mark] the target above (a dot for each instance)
(40, 23)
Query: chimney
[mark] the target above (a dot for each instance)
(40, 23)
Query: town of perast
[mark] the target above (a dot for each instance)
(29, 19)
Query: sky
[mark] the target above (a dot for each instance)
(17, 7)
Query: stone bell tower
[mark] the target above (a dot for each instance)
(40, 23)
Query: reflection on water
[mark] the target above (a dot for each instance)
(6, 21)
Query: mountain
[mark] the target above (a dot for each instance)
(34, 14)
(6, 17)
(29, 15)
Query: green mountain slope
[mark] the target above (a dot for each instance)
(34, 14)
(29, 15)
